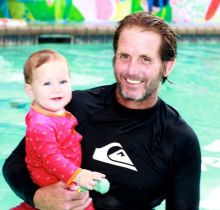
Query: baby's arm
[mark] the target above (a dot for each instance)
(102, 186)
(87, 179)
(47, 147)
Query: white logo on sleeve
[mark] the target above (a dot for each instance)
(117, 158)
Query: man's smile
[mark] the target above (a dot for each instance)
(133, 81)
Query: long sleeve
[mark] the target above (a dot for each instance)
(184, 184)
(17, 176)
(58, 158)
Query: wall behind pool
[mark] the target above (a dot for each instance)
(173, 11)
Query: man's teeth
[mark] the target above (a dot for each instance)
(133, 81)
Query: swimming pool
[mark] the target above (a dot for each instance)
(195, 93)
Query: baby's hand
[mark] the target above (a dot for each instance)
(88, 178)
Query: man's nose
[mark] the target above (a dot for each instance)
(132, 67)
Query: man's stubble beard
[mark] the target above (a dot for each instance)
(150, 91)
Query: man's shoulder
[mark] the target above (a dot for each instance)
(172, 116)
(93, 91)
(180, 138)
(89, 101)
(177, 127)
(93, 95)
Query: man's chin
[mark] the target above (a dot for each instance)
(133, 97)
(130, 95)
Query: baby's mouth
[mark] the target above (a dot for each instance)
(56, 98)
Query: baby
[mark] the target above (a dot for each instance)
(53, 150)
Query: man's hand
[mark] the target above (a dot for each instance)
(58, 197)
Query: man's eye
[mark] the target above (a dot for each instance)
(124, 57)
(47, 83)
(63, 81)
(144, 59)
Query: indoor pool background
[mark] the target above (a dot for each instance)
(195, 93)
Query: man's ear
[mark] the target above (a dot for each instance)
(28, 90)
(168, 67)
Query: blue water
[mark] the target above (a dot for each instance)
(195, 93)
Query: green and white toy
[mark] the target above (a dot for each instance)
(101, 186)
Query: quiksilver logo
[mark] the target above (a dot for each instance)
(118, 158)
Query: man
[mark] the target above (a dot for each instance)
(147, 151)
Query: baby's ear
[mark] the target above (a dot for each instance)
(28, 90)
(168, 67)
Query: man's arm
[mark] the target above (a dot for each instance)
(56, 196)
(184, 184)
(17, 176)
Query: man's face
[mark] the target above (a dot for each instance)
(138, 67)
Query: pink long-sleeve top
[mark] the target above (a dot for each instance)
(53, 150)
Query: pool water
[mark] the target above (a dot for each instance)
(195, 93)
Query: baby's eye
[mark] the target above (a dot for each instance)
(47, 83)
(63, 81)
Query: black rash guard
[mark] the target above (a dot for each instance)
(147, 155)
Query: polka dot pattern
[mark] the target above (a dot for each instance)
(53, 147)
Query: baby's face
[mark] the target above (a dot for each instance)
(51, 86)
